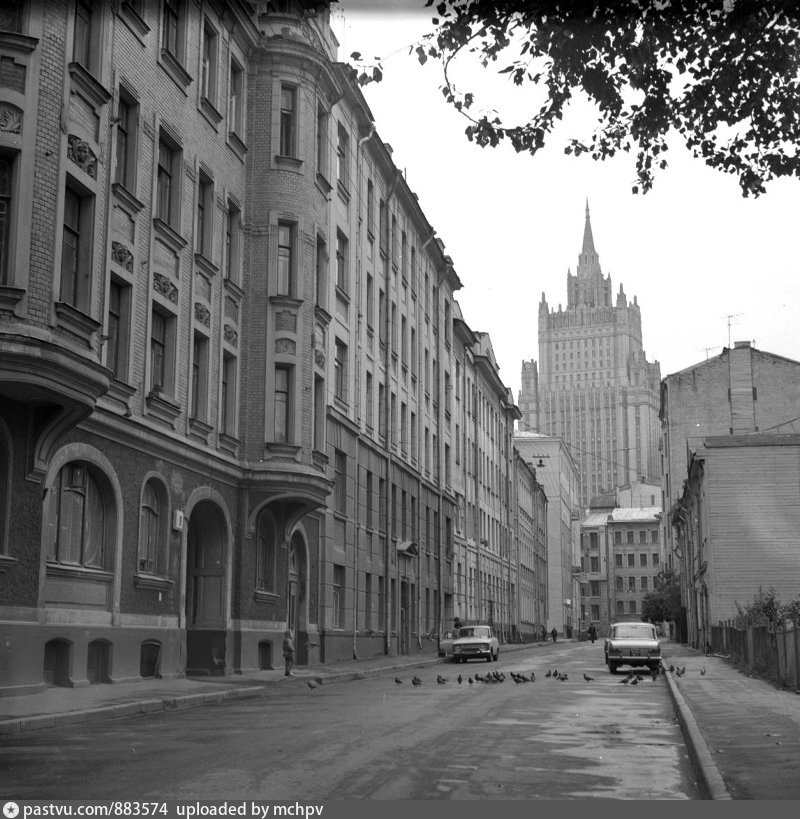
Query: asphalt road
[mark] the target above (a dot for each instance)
(376, 739)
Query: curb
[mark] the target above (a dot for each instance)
(709, 777)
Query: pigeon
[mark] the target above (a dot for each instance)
(625, 681)
(440, 679)
(312, 684)
(563, 677)
(549, 673)
(654, 673)
(398, 681)
(532, 677)
(588, 678)
(416, 680)
(470, 680)
(635, 681)
(703, 671)
(555, 672)
(460, 679)
(671, 668)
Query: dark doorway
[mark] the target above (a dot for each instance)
(98, 661)
(56, 662)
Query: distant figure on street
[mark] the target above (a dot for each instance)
(554, 633)
(592, 632)
(288, 653)
(456, 625)
(544, 634)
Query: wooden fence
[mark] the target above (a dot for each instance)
(768, 650)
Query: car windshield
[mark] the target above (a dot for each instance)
(633, 631)
(474, 631)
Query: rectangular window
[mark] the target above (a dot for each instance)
(654, 536)
(642, 536)
(319, 413)
(370, 208)
(618, 538)
(84, 35)
(227, 422)
(233, 228)
(594, 588)
(370, 402)
(321, 273)
(643, 584)
(208, 69)
(381, 604)
(340, 482)
(119, 295)
(618, 561)
(342, 276)
(127, 123)
(322, 141)
(370, 302)
(655, 559)
(337, 601)
(368, 601)
(382, 410)
(383, 227)
(413, 424)
(158, 351)
(168, 183)
(643, 560)
(369, 505)
(620, 607)
(594, 564)
(6, 186)
(76, 252)
(170, 27)
(283, 412)
(631, 561)
(205, 212)
(403, 427)
(199, 377)
(288, 120)
(340, 370)
(630, 537)
(343, 157)
(631, 584)
(285, 259)
(618, 582)
(631, 607)
(382, 316)
(236, 99)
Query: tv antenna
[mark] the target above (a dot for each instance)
(730, 316)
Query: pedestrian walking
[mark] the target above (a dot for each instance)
(554, 633)
(592, 632)
(288, 653)
(544, 634)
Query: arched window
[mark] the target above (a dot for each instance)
(80, 531)
(152, 529)
(266, 553)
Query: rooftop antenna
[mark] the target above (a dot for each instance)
(729, 317)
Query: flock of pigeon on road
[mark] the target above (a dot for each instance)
(494, 677)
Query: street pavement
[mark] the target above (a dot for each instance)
(742, 734)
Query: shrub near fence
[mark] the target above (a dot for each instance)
(771, 651)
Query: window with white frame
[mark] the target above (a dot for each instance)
(86, 33)
(322, 140)
(285, 259)
(81, 518)
(288, 121)
(7, 163)
(283, 403)
(208, 68)
(168, 182)
(153, 528)
(162, 348)
(236, 99)
(342, 262)
(205, 215)
(127, 130)
(343, 157)
(118, 327)
(199, 376)
(340, 370)
(227, 418)
(340, 479)
(337, 596)
(233, 227)
(76, 248)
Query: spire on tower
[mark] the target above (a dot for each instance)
(588, 239)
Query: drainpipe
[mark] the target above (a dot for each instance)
(387, 550)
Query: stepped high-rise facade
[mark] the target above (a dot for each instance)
(593, 385)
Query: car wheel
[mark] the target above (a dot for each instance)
(489, 657)
(612, 667)
(497, 655)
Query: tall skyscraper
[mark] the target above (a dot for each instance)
(593, 386)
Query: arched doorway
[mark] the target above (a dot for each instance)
(206, 591)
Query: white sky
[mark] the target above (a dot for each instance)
(692, 250)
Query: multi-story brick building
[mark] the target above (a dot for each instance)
(593, 385)
(742, 391)
(232, 396)
(558, 475)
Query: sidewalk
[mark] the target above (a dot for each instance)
(743, 734)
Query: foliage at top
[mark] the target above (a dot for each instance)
(721, 73)
(766, 608)
(664, 603)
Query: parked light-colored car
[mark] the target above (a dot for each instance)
(476, 642)
(632, 644)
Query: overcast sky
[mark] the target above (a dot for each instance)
(692, 250)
